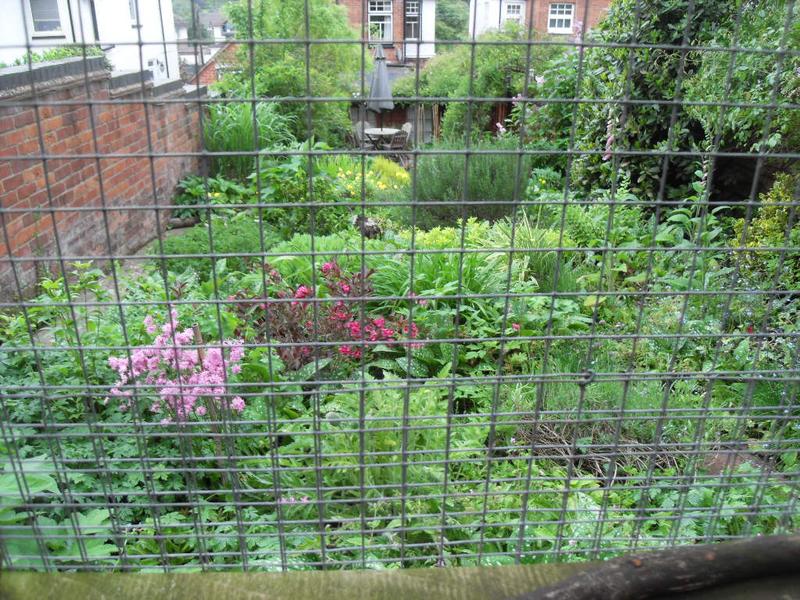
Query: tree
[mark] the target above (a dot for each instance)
(452, 18)
(281, 69)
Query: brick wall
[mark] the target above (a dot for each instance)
(597, 9)
(30, 232)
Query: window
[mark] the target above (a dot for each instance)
(45, 17)
(514, 12)
(560, 18)
(380, 20)
(412, 20)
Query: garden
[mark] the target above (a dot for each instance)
(561, 344)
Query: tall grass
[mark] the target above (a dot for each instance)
(229, 128)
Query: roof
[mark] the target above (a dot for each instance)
(214, 18)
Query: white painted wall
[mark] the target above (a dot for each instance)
(488, 15)
(118, 35)
(116, 27)
(427, 31)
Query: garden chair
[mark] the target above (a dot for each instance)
(397, 144)
(408, 128)
(361, 139)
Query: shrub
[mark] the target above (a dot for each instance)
(194, 190)
(491, 177)
(229, 128)
(240, 234)
(768, 227)
(296, 322)
(285, 180)
(280, 70)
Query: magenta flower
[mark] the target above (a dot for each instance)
(186, 380)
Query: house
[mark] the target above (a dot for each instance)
(555, 18)
(222, 61)
(117, 26)
(407, 28)
(219, 28)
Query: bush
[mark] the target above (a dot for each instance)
(240, 234)
(195, 190)
(285, 180)
(491, 177)
(280, 70)
(768, 228)
(229, 128)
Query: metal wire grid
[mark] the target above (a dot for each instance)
(343, 526)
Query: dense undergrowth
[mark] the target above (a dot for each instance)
(318, 384)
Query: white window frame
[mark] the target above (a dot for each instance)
(412, 17)
(377, 9)
(63, 18)
(560, 11)
(518, 12)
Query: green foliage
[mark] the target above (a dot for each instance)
(281, 69)
(57, 53)
(752, 79)
(499, 71)
(229, 128)
(499, 178)
(286, 181)
(452, 19)
(240, 234)
(195, 190)
(776, 224)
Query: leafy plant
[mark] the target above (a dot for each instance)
(242, 126)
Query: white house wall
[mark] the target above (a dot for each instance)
(427, 31)
(488, 15)
(117, 29)
(118, 35)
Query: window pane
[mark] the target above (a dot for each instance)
(45, 15)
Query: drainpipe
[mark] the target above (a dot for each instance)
(163, 36)
(71, 21)
(93, 12)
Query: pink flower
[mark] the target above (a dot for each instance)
(500, 128)
(302, 292)
(149, 325)
(344, 350)
(237, 404)
(539, 79)
(200, 411)
(345, 288)
(327, 268)
(515, 326)
(379, 322)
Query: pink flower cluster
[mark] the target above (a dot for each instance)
(288, 315)
(293, 500)
(186, 379)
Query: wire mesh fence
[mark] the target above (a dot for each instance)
(553, 316)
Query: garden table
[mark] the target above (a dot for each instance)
(374, 134)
